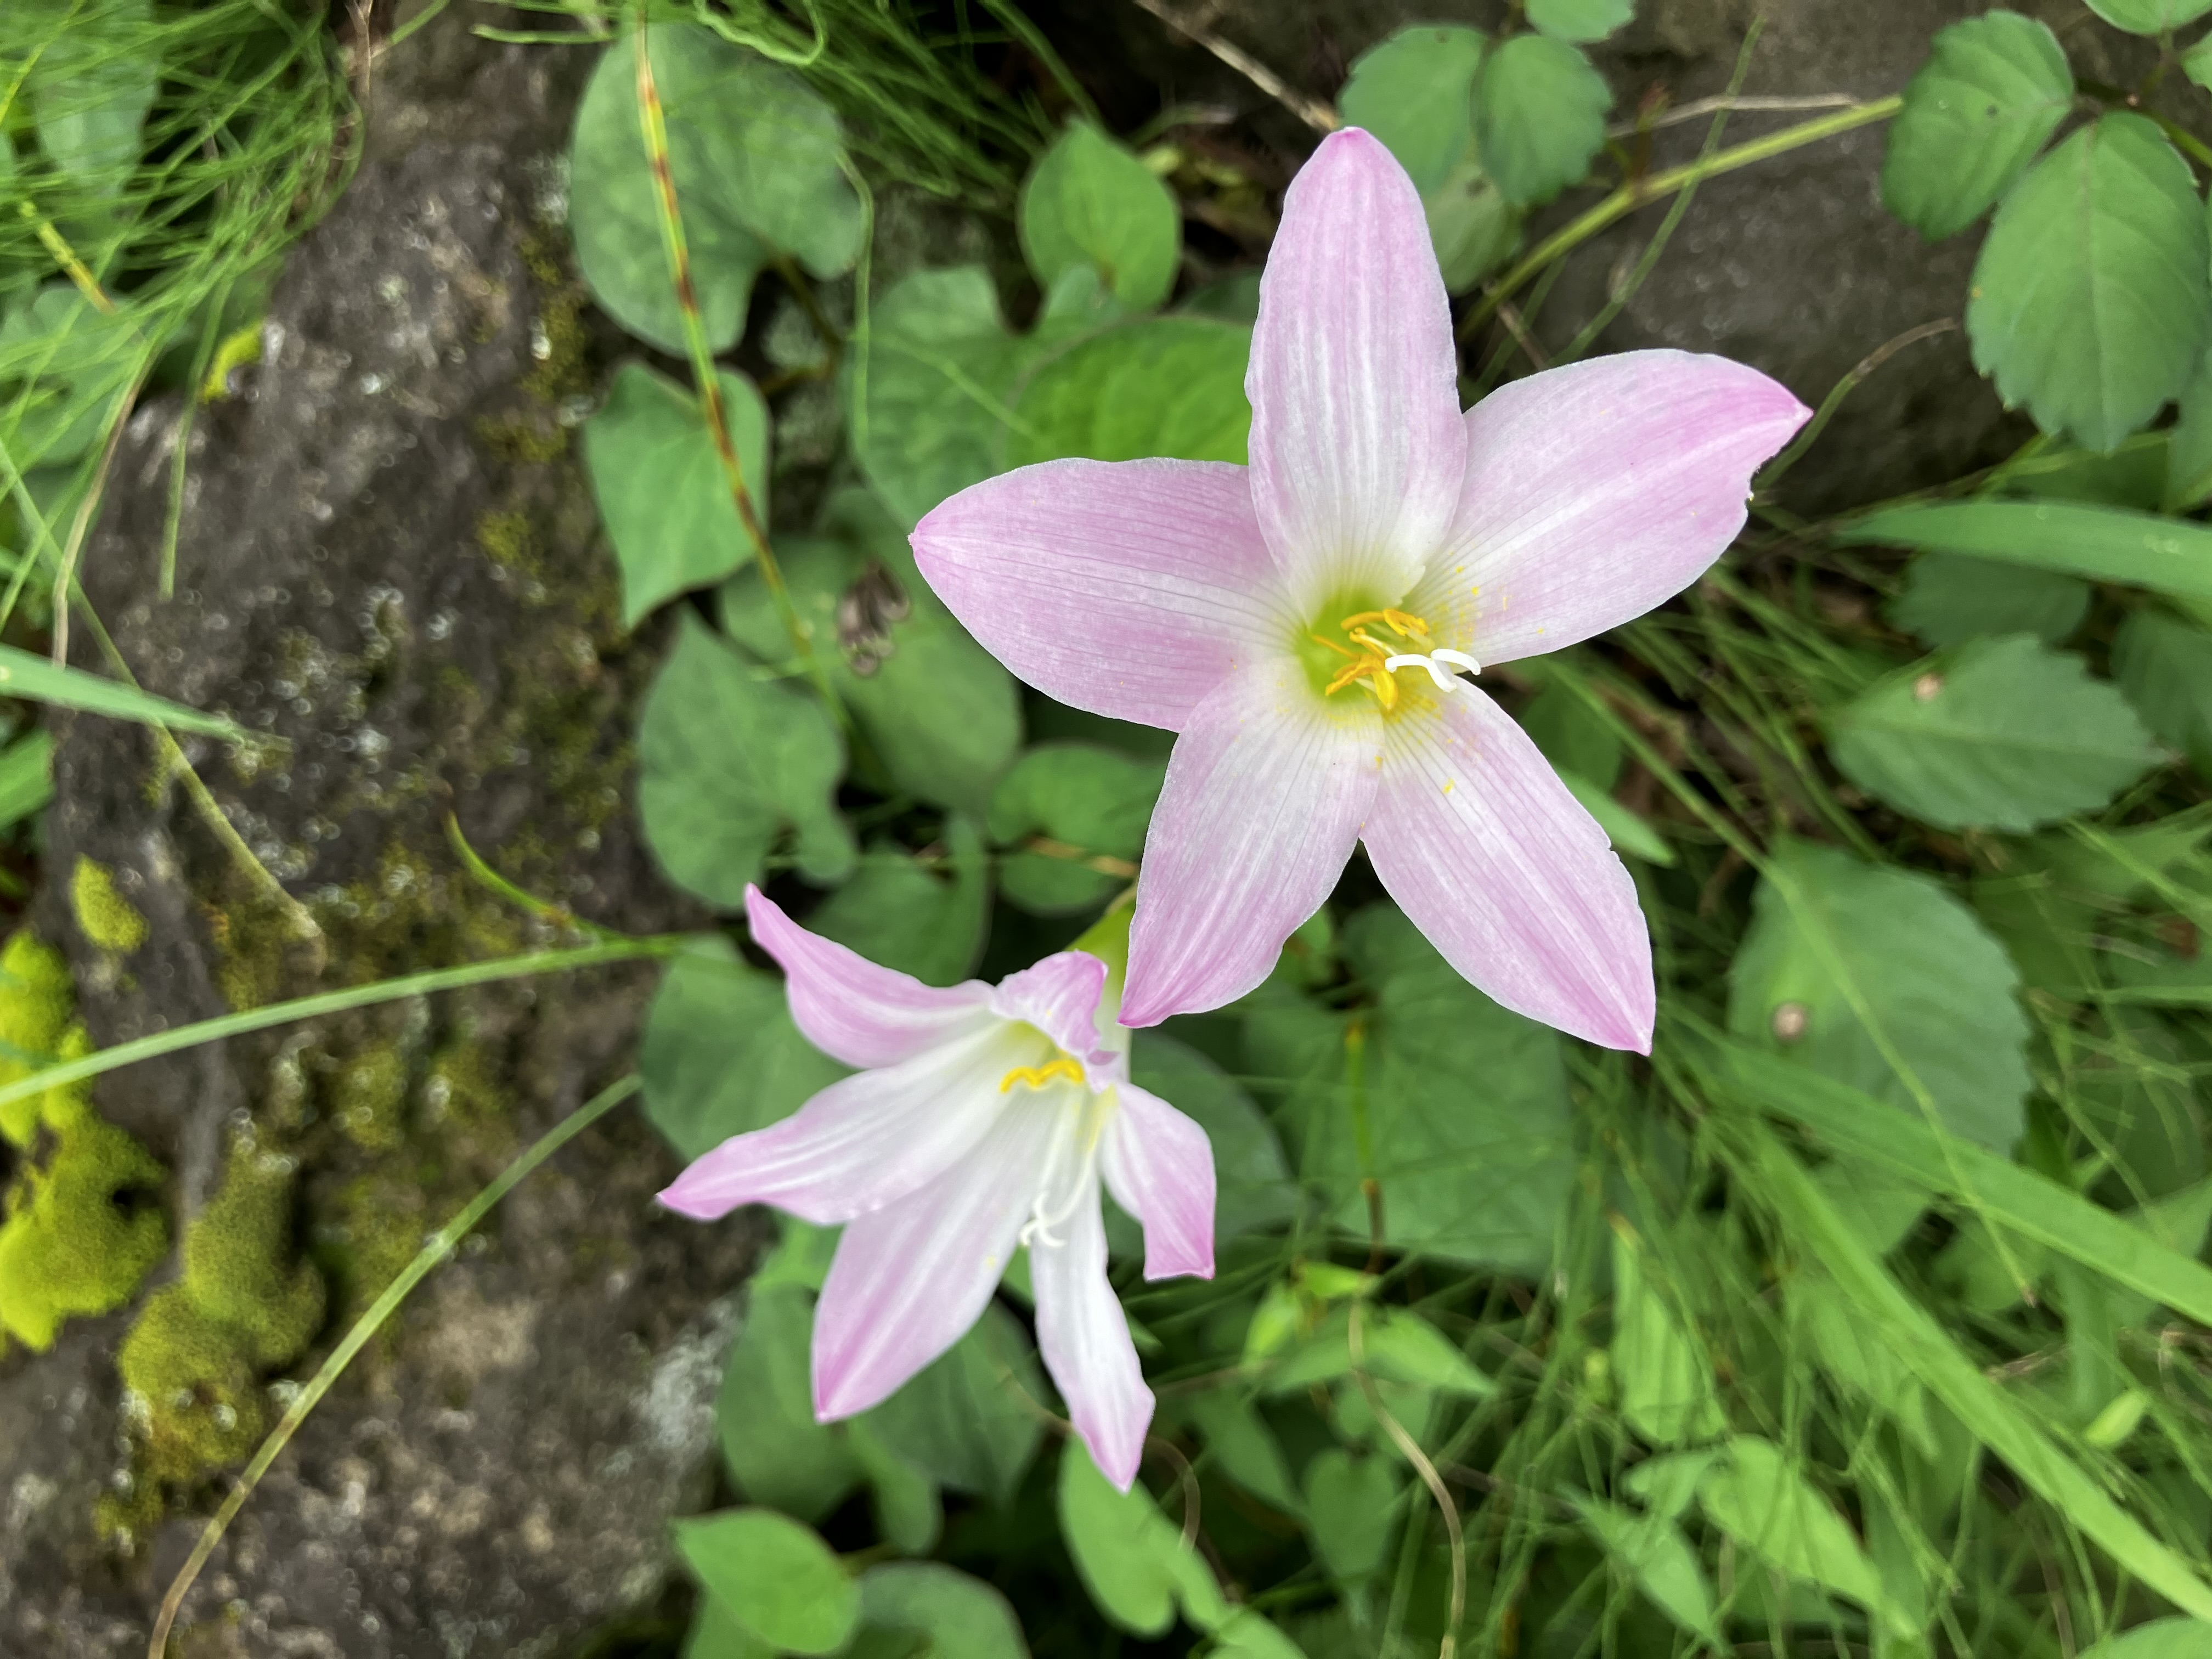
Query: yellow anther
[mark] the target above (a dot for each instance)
(1037, 1076)
(1404, 624)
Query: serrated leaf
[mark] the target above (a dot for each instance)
(1167, 386)
(720, 1055)
(2164, 666)
(2150, 17)
(774, 1576)
(1992, 92)
(1834, 944)
(923, 919)
(1758, 1498)
(1415, 92)
(658, 478)
(732, 767)
(2092, 300)
(757, 162)
(1540, 110)
(1580, 20)
(1089, 802)
(1999, 734)
(1089, 201)
(1951, 597)
(2141, 549)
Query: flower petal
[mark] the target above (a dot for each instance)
(1265, 795)
(1084, 1337)
(908, 1279)
(1596, 491)
(864, 1141)
(1129, 588)
(1483, 847)
(1059, 995)
(1356, 446)
(849, 1008)
(1158, 1164)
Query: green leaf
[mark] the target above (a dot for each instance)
(964, 1418)
(1949, 599)
(1999, 734)
(733, 767)
(1167, 386)
(720, 1055)
(1253, 1187)
(1472, 225)
(1352, 1511)
(1130, 1558)
(716, 1634)
(775, 1576)
(1652, 1551)
(2140, 550)
(758, 166)
(1466, 1104)
(1573, 737)
(91, 85)
(963, 1618)
(1992, 92)
(1628, 833)
(777, 1453)
(27, 779)
(2150, 17)
(921, 918)
(1415, 92)
(1757, 1496)
(1666, 1383)
(1539, 117)
(2189, 452)
(36, 679)
(1850, 970)
(1397, 1346)
(2164, 666)
(69, 362)
(2161, 1638)
(2196, 63)
(1238, 1439)
(658, 478)
(908, 1513)
(1580, 20)
(1826, 1319)
(1089, 200)
(1091, 803)
(2092, 298)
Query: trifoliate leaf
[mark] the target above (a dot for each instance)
(921, 917)
(1089, 201)
(734, 766)
(1950, 598)
(1065, 809)
(1415, 92)
(1999, 734)
(1847, 966)
(1539, 117)
(1992, 92)
(2150, 17)
(720, 1055)
(2091, 299)
(758, 161)
(775, 1576)
(663, 494)
(2164, 666)
(1168, 386)
(1580, 20)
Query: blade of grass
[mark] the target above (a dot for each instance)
(25, 675)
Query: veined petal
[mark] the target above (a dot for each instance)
(1059, 995)
(1357, 447)
(1129, 588)
(1266, 792)
(1158, 1164)
(1084, 1337)
(910, 1278)
(1596, 491)
(864, 1141)
(1483, 847)
(849, 1008)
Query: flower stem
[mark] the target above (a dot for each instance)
(1638, 192)
(436, 1249)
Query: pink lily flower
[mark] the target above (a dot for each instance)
(1304, 622)
(982, 1117)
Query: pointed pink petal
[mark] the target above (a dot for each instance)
(1356, 446)
(849, 1008)
(1596, 491)
(1159, 1166)
(1085, 1338)
(907, 1280)
(1129, 588)
(863, 1142)
(1507, 875)
(1060, 997)
(1266, 793)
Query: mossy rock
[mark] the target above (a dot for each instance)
(81, 1231)
(38, 1023)
(110, 921)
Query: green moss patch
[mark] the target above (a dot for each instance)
(107, 919)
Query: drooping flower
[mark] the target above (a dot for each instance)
(982, 1119)
(1304, 622)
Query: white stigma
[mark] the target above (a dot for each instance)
(1445, 681)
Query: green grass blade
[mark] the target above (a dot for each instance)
(23, 674)
(26, 782)
(2104, 543)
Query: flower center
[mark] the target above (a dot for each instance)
(1371, 661)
